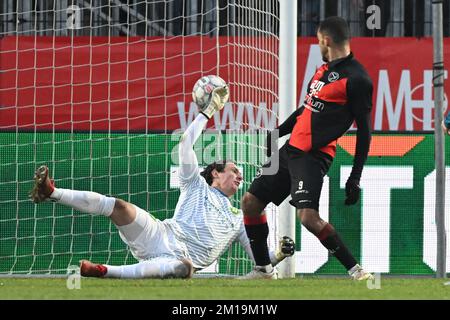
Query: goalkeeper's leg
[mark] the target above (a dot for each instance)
(129, 219)
(120, 212)
(145, 235)
(160, 268)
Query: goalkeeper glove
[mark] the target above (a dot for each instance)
(219, 97)
(446, 124)
(286, 248)
(352, 191)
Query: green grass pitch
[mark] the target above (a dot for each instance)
(205, 289)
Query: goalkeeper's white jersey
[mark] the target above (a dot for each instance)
(204, 221)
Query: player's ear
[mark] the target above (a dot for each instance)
(327, 41)
(215, 173)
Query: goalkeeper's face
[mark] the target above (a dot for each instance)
(228, 180)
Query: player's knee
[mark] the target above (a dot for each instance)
(123, 213)
(120, 205)
(311, 220)
(251, 205)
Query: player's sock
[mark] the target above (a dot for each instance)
(161, 268)
(85, 201)
(331, 240)
(126, 271)
(257, 232)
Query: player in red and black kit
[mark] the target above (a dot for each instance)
(339, 93)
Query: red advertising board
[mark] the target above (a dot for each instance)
(144, 84)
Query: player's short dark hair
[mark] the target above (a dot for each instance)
(336, 28)
(218, 165)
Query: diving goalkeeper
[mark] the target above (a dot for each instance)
(204, 224)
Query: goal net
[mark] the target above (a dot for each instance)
(98, 90)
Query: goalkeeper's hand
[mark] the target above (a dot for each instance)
(219, 97)
(352, 192)
(286, 248)
(446, 124)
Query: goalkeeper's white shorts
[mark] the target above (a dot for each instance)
(148, 238)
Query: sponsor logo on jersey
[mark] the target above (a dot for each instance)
(333, 76)
(315, 87)
(310, 100)
(300, 188)
(234, 210)
(313, 105)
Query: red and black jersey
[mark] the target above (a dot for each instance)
(339, 93)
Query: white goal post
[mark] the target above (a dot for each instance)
(288, 103)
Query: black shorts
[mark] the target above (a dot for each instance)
(299, 174)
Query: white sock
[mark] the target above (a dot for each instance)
(85, 201)
(353, 269)
(267, 269)
(146, 269)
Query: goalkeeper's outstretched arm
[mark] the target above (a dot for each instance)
(187, 158)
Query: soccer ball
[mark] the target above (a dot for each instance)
(203, 88)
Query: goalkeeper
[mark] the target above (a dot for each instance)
(204, 224)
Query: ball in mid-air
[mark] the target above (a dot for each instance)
(203, 88)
